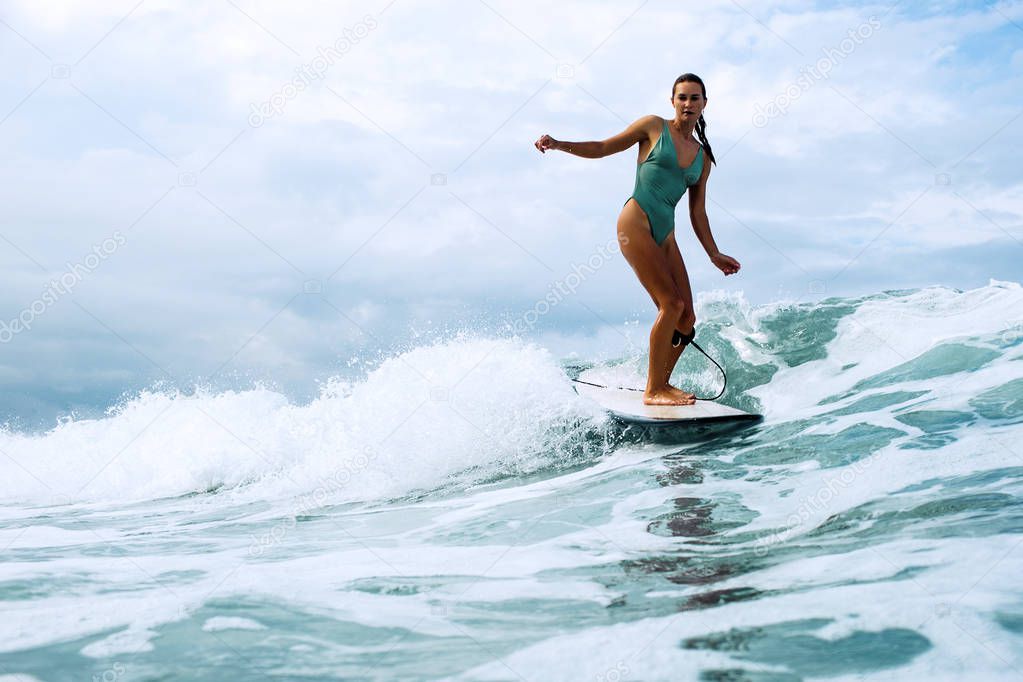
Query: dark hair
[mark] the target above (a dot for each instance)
(701, 125)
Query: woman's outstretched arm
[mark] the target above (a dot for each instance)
(637, 131)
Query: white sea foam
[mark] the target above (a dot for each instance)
(488, 405)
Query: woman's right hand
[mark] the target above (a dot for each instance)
(546, 142)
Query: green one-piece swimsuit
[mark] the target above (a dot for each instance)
(661, 182)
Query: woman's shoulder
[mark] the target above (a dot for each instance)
(650, 124)
(650, 120)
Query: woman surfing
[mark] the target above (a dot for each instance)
(670, 161)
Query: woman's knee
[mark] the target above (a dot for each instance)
(674, 305)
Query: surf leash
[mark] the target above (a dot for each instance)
(677, 339)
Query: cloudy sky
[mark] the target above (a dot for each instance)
(230, 190)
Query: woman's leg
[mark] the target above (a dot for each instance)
(680, 276)
(687, 322)
(652, 267)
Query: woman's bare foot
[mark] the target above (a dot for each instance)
(667, 396)
(684, 394)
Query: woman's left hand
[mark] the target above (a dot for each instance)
(725, 264)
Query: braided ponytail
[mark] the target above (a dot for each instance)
(701, 124)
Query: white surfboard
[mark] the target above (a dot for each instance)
(627, 405)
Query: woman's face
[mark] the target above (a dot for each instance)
(688, 101)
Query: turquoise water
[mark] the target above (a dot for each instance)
(460, 513)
